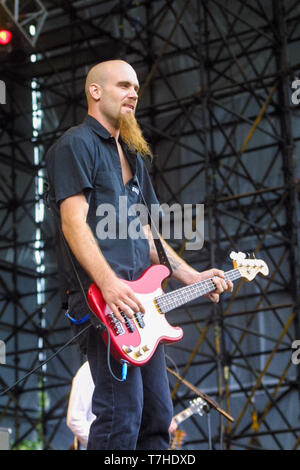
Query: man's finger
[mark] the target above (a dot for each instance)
(115, 310)
(230, 286)
(214, 297)
(219, 284)
(130, 305)
(218, 272)
(128, 311)
(139, 306)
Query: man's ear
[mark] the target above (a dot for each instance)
(95, 91)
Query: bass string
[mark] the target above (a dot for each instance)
(166, 297)
(204, 287)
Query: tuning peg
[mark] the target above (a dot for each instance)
(240, 256)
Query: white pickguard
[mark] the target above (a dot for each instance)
(156, 327)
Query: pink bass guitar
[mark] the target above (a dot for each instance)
(136, 340)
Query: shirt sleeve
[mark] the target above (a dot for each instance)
(70, 166)
(79, 415)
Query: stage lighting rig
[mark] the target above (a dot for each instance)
(23, 16)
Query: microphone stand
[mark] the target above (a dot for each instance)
(209, 401)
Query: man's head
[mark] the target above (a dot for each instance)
(112, 93)
(112, 88)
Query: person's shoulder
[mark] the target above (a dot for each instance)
(75, 133)
(144, 162)
(144, 166)
(83, 369)
(76, 139)
(83, 373)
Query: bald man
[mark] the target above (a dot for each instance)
(90, 167)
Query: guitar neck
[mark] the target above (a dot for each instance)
(183, 415)
(174, 299)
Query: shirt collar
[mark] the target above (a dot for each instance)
(97, 127)
(102, 132)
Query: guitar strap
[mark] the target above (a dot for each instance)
(162, 256)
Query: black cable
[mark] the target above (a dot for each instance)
(124, 363)
(98, 324)
(45, 362)
(95, 321)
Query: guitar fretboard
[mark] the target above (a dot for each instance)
(174, 299)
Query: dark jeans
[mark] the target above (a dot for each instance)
(130, 415)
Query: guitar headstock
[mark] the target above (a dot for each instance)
(197, 405)
(248, 267)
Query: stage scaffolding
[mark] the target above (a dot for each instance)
(216, 105)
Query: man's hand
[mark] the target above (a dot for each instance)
(185, 273)
(120, 298)
(218, 278)
(173, 426)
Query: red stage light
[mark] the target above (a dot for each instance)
(5, 37)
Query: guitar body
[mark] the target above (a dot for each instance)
(136, 340)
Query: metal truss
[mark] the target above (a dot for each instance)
(215, 102)
(25, 15)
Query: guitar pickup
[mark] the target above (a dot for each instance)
(140, 320)
(128, 322)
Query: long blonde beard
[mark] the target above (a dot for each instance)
(131, 134)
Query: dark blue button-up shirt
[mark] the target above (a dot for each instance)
(85, 159)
